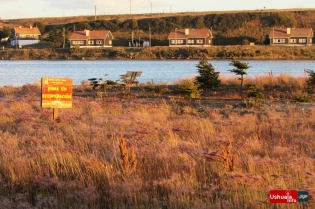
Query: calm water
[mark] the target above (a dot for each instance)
(18, 73)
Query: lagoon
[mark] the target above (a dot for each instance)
(18, 73)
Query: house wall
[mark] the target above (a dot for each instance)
(191, 42)
(208, 41)
(109, 41)
(81, 43)
(177, 42)
(93, 43)
(292, 41)
(279, 41)
(310, 41)
(96, 42)
(23, 42)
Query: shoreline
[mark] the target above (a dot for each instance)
(243, 52)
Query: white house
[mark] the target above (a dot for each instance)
(24, 36)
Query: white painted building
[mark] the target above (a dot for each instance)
(24, 36)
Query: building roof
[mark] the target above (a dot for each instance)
(27, 31)
(93, 34)
(192, 33)
(290, 32)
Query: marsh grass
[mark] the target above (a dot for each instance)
(155, 151)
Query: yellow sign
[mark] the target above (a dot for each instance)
(56, 92)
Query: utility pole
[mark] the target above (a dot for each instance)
(130, 8)
(150, 35)
(16, 45)
(175, 36)
(94, 12)
(64, 37)
(132, 38)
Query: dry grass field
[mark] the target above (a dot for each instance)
(142, 149)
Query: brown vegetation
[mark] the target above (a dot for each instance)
(228, 27)
(122, 17)
(146, 149)
(214, 52)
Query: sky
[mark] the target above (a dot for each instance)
(15, 9)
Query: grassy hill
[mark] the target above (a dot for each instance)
(229, 27)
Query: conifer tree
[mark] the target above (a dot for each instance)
(208, 78)
(240, 69)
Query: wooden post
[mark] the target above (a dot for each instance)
(55, 114)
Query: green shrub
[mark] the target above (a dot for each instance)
(254, 91)
(311, 79)
(189, 89)
(301, 98)
(100, 84)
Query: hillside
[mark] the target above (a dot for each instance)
(229, 28)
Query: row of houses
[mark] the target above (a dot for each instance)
(177, 37)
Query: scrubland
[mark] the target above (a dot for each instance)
(146, 148)
(258, 52)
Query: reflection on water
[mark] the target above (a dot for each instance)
(17, 73)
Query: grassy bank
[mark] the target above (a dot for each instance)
(214, 52)
(146, 149)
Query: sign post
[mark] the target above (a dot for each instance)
(56, 93)
(55, 114)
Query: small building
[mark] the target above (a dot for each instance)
(24, 36)
(291, 36)
(139, 43)
(92, 39)
(190, 37)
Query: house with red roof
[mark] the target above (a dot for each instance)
(24, 36)
(190, 37)
(92, 39)
(291, 36)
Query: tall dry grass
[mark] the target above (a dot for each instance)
(123, 151)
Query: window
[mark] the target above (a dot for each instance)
(292, 40)
(91, 42)
(99, 42)
(109, 42)
(77, 42)
(282, 40)
(199, 41)
(302, 40)
(209, 41)
(191, 41)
